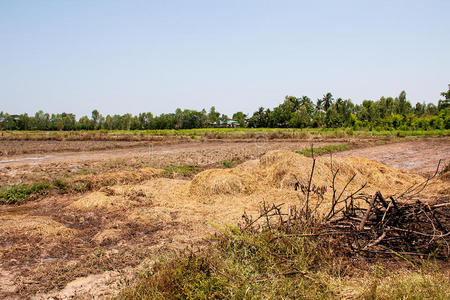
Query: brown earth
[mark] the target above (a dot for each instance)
(30, 168)
(8, 148)
(89, 245)
(421, 156)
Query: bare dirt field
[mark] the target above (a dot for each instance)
(50, 165)
(91, 244)
(420, 156)
(8, 148)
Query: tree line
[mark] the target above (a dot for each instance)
(387, 113)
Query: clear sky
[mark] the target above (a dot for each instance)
(135, 56)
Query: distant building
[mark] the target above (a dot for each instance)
(224, 124)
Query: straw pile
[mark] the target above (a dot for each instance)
(109, 179)
(286, 170)
(35, 227)
(223, 181)
(153, 215)
(112, 198)
(381, 177)
(97, 200)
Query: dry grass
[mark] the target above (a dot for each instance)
(278, 174)
(273, 265)
(222, 181)
(33, 227)
(93, 182)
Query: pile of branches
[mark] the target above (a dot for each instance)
(387, 226)
(395, 225)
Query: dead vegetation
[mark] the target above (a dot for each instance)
(19, 194)
(286, 171)
(95, 182)
(308, 252)
(368, 223)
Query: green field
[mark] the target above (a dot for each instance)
(213, 133)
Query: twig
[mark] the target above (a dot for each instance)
(261, 216)
(309, 182)
(377, 241)
(440, 205)
(366, 216)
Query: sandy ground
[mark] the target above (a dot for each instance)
(91, 245)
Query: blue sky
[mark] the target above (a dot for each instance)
(135, 56)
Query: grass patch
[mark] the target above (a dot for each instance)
(445, 170)
(425, 283)
(227, 163)
(273, 265)
(240, 265)
(61, 185)
(20, 193)
(325, 149)
(213, 133)
(185, 171)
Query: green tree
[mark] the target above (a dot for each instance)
(445, 103)
(95, 116)
(404, 106)
(240, 118)
(301, 118)
(213, 115)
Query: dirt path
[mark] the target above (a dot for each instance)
(420, 157)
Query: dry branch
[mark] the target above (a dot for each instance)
(387, 226)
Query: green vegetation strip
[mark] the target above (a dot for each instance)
(387, 113)
(325, 149)
(21, 193)
(216, 133)
(273, 265)
(185, 171)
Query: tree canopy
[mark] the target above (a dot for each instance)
(327, 112)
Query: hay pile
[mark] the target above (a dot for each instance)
(97, 200)
(92, 182)
(286, 170)
(35, 227)
(223, 181)
(381, 177)
(221, 195)
(112, 198)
